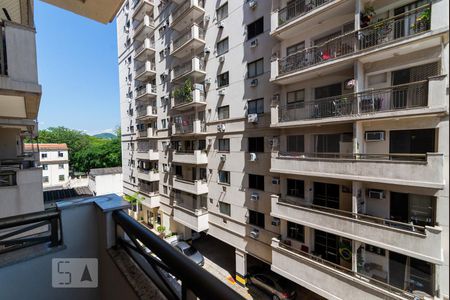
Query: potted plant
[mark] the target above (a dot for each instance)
(367, 16)
(184, 92)
(161, 230)
(422, 21)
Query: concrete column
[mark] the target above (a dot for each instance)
(358, 138)
(355, 246)
(241, 267)
(356, 195)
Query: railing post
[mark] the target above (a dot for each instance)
(54, 239)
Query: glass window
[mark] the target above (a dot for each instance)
(44, 155)
(44, 167)
(61, 166)
(295, 188)
(224, 177)
(225, 208)
(256, 182)
(295, 48)
(45, 179)
(295, 143)
(222, 12)
(224, 145)
(178, 171)
(223, 79)
(256, 218)
(223, 112)
(255, 144)
(222, 46)
(255, 68)
(296, 231)
(255, 28)
(296, 99)
(60, 154)
(256, 106)
(61, 177)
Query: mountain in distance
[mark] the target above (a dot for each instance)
(105, 135)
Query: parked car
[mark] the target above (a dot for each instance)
(190, 252)
(278, 287)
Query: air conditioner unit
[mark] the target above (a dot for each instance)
(275, 180)
(221, 59)
(206, 18)
(252, 156)
(166, 168)
(254, 82)
(207, 50)
(221, 92)
(221, 127)
(254, 233)
(275, 221)
(252, 3)
(373, 136)
(223, 158)
(252, 118)
(254, 43)
(208, 81)
(254, 197)
(276, 98)
(376, 194)
(219, 24)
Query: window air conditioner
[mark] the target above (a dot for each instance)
(207, 50)
(252, 118)
(376, 194)
(223, 158)
(221, 92)
(208, 81)
(254, 82)
(254, 197)
(219, 24)
(275, 221)
(221, 127)
(252, 3)
(221, 59)
(252, 156)
(275, 180)
(254, 233)
(373, 136)
(254, 43)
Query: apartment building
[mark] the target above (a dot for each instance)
(20, 93)
(310, 135)
(54, 159)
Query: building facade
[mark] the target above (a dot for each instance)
(311, 136)
(54, 159)
(20, 93)
(104, 181)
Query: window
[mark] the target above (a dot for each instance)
(256, 106)
(178, 171)
(295, 143)
(163, 123)
(295, 48)
(255, 144)
(225, 208)
(296, 99)
(296, 231)
(60, 154)
(162, 54)
(223, 112)
(61, 166)
(256, 182)
(222, 46)
(222, 12)
(61, 177)
(256, 218)
(295, 188)
(224, 177)
(223, 79)
(224, 145)
(165, 189)
(44, 155)
(255, 28)
(255, 68)
(44, 167)
(45, 179)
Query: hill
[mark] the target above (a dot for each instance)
(105, 135)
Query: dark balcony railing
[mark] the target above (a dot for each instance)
(188, 35)
(183, 69)
(380, 33)
(184, 7)
(399, 97)
(297, 9)
(354, 156)
(29, 230)
(164, 261)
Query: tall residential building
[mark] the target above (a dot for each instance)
(311, 135)
(54, 159)
(20, 94)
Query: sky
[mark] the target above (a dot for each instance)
(78, 71)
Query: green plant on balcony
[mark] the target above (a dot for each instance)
(184, 93)
(134, 200)
(422, 21)
(367, 16)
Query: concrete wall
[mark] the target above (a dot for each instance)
(107, 184)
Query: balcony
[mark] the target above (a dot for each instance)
(423, 97)
(186, 14)
(149, 154)
(146, 91)
(422, 242)
(414, 170)
(195, 219)
(194, 68)
(188, 42)
(146, 71)
(144, 29)
(387, 36)
(195, 187)
(145, 50)
(146, 112)
(147, 133)
(328, 279)
(196, 127)
(148, 175)
(142, 8)
(196, 99)
(151, 200)
(99, 229)
(193, 157)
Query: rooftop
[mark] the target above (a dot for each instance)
(46, 147)
(105, 171)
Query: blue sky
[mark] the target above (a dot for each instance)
(77, 63)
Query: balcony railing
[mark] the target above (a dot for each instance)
(184, 7)
(148, 66)
(3, 60)
(187, 36)
(354, 156)
(164, 260)
(139, 25)
(144, 89)
(298, 9)
(143, 45)
(180, 100)
(380, 33)
(399, 97)
(144, 111)
(188, 66)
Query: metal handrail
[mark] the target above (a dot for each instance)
(143, 68)
(142, 46)
(353, 156)
(203, 284)
(298, 9)
(349, 43)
